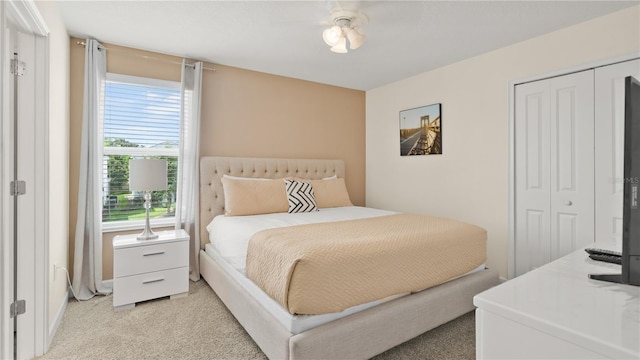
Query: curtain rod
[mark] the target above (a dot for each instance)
(82, 43)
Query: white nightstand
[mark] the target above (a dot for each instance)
(149, 269)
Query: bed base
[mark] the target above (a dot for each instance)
(358, 336)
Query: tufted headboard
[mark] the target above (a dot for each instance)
(212, 168)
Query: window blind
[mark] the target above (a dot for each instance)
(141, 120)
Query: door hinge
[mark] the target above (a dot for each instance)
(18, 188)
(17, 308)
(18, 67)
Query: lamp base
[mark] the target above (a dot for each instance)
(147, 233)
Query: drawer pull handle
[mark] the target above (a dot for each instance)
(155, 253)
(152, 281)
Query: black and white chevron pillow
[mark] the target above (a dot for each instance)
(300, 196)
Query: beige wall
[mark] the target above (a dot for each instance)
(58, 157)
(244, 113)
(469, 181)
(247, 113)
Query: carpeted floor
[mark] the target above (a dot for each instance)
(199, 326)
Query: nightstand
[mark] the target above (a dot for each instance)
(149, 269)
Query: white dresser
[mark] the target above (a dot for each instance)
(149, 269)
(557, 312)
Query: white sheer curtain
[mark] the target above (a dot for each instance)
(189, 160)
(87, 260)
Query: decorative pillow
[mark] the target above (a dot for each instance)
(332, 177)
(300, 196)
(331, 193)
(253, 197)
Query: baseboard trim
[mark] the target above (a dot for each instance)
(57, 321)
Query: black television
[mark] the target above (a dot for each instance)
(631, 207)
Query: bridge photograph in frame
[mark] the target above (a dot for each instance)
(421, 130)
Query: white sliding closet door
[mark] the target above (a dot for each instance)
(554, 168)
(609, 141)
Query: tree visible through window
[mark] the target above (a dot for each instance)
(141, 120)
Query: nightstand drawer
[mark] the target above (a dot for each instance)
(132, 289)
(149, 258)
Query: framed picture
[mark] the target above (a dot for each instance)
(421, 130)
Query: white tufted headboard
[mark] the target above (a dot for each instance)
(212, 168)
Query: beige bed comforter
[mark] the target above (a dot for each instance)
(329, 267)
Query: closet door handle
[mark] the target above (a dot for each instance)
(568, 203)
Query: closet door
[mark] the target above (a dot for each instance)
(533, 180)
(554, 168)
(572, 164)
(609, 175)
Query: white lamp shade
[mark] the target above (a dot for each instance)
(147, 174)
(331, 36)
(341, 46)
(355, 38)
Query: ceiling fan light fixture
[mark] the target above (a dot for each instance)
(344, 24)
(341, 46)
(355, 39)
(332, 35)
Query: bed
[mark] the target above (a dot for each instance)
(358, 332)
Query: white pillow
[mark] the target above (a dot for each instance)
(331, 177)
(300, 196)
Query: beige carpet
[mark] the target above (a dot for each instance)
(199, 326)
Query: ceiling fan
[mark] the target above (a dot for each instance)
(345, 27)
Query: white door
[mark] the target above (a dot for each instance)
(31, 218)
(572, 164)
(554, 168)
(23, 229)
(533, 179)
(609, 140)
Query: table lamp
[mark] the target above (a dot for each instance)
(147, 175)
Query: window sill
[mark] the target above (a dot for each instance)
(116, 226)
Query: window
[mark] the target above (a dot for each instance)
(141, 119)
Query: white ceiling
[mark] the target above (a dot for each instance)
(404, 38)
